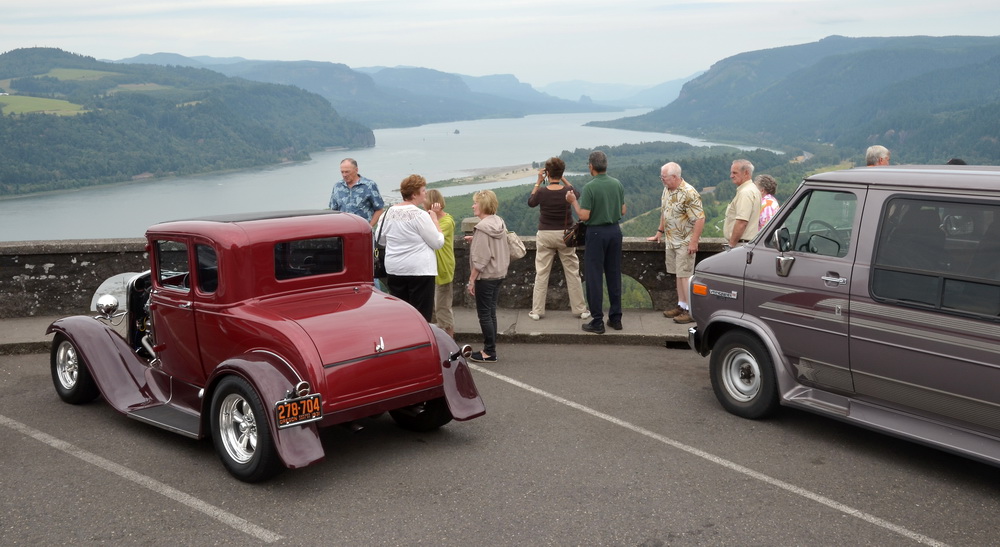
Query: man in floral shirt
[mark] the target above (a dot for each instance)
(356, 194)
(681, 223)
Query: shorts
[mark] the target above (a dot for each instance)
(679, 261)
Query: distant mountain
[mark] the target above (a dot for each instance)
(927, 99)
(394, 97)
(120, 122)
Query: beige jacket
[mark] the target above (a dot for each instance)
(489, 252)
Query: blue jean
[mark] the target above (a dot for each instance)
(487, 296)
(602, 259)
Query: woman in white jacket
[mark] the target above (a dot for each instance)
(411, 235)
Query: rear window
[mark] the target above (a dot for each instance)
(307, 257)
(939, 254)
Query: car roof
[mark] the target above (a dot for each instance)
(944, 177)
(248, 228)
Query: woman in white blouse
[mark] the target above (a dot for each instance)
(411, 235)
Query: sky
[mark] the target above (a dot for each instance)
(634, 42)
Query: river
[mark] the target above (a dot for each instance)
(437, 151)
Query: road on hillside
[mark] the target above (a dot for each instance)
(591, 445)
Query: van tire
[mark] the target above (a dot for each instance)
(743, 375)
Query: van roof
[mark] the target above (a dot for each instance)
(950, 177)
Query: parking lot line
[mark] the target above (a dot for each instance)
(212, 511)
(798, 491)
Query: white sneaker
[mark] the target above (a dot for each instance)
(534, 315)
(585, 315)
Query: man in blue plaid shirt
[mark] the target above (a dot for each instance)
(356, 194)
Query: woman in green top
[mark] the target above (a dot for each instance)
(443, 316)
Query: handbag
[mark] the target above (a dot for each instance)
(517, 249)
(379, 252)
(575, 235)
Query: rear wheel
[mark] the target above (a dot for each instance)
(241, 432)
(425, 416)
(743, 375)
(70, 374)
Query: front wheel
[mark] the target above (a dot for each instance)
(242, 433)
(743, 375)
(424, 416)
(70, 374)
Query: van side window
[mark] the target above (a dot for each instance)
(819, 223)
(939, 254)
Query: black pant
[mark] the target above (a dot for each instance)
(416, 290)
(487, 296)
(602, 260)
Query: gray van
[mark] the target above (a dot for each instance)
(873, 297)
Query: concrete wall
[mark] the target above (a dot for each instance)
(48, 278)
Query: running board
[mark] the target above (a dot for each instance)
(911, 427)
(169, 418)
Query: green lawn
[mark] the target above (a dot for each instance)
(79, 74)
(19, 104)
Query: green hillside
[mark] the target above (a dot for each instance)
(927, 99)
(140, 121)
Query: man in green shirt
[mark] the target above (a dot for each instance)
(601, 206)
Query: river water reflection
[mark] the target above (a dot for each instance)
(437, 151)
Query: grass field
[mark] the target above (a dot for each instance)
(18, 104)
(78, 74)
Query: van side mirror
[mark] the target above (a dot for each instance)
(784, 239)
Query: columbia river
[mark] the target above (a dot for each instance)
(438, 152)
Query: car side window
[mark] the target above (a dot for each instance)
(307, 257)
(819, 223)
(172, 267)
(939, 254)
(208, 268)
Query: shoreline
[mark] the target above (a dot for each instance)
(487, 175)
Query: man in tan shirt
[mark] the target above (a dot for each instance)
(743, 213)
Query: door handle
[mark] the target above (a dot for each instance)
(830, 278)
(184, 305)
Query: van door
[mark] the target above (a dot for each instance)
(925, 336)
(798, 283)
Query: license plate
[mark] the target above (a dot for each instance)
(301, 410)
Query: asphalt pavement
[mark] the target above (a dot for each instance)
(643, 327)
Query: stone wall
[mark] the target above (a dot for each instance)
(60, 277)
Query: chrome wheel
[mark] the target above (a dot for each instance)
(741, 375)
(67, 365)
(238, 427)
(70, 375)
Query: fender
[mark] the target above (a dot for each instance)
(269, 375)
(119, 373)
(460, 390)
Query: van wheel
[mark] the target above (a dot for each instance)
(743, 375)
(242, 433)
(70, 374)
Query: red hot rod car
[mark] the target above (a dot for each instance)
(258, 330)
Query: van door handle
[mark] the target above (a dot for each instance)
(829, 278)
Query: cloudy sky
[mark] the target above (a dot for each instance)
(639, 42)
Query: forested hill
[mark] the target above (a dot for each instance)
(69, 121)
(927, 99)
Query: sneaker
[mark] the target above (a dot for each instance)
(684, 318)
(585, 315)
(478, 357)
(617, 325)
(670, 314)
(534, 316)
(594, 327)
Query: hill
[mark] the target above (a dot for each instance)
(927, 99)
(383, 97)
(72, 121)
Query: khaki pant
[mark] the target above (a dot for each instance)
(443, 315)
(549, 243)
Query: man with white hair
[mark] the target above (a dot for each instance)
(682, 219)
(877, 155)
(743, 213)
